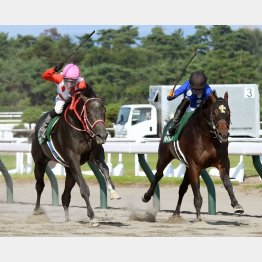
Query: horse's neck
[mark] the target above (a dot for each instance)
(201, 124)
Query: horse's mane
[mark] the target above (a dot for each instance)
(206, 102)
(87, 92)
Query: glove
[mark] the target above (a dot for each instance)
(171, 93)
(58, 67)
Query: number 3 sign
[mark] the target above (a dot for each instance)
(249, 92)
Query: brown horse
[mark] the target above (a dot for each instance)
(202, 144)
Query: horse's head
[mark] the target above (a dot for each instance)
(90, 113)
(94, 118)
(217, 114)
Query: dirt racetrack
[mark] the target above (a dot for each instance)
(129, 216)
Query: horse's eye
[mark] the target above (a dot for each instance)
(215, 112)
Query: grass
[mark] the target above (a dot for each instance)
(129, 177)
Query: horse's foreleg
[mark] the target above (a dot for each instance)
(160, 166)
(84, 189)
(224, 175)
(147, 196)
(66, 196)
(39, 171)
(182, 190)
(195, 185)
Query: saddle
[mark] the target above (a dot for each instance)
(182, 123)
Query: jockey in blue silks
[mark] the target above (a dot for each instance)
(195, 90)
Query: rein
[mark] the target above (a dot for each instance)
(82, 117)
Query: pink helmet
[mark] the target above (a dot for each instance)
(71, 71)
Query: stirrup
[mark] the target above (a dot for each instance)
(172, 130)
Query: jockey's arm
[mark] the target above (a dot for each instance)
(179, 91)
(50, 75)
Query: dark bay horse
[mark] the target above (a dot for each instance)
(77, 136)
(202, 144)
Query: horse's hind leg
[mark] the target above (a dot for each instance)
(224, 175)
(110, 186)
(39, 171)
(66, 196)
(160, 166)
(98, 157)
(84, 189)
(182, 190)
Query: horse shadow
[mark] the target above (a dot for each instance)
(219, 222)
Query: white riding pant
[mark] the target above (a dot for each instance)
(59, 104)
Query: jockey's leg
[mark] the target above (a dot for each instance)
(54, 112)
(45, 125)
(178, 114)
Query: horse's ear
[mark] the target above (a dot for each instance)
(226, 96)
(213, 96)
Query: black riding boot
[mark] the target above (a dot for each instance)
(44, 126)
(178, 114)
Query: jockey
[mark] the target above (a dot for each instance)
(195, 90)
(67, 83)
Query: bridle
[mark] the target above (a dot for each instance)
(87, 126)
(213, 126)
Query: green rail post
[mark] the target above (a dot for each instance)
(150, 176)
(54, 185)
(8, 181)
(102, 184)
(257, 164)
(211, 192)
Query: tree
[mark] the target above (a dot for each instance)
(111, 113)
(31, 115)
(126, 36)
(200, 40)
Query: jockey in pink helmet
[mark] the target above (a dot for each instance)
(67, 83)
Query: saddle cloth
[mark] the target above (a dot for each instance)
(49, 141)
(182, 123)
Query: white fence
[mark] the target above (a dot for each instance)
(146, 146)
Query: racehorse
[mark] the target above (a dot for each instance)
(77, 136)
(203, 143)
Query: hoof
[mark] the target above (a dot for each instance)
(114, 195)
(145, 199)
(38, 211)
(238, 209)
(176, 214)
(94, 223)
(197, 220)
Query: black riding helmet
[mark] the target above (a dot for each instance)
(198, 80)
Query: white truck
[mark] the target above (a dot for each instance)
(135, 121)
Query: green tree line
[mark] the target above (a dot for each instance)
(120, 65)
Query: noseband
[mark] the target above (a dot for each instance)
(82, 117)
